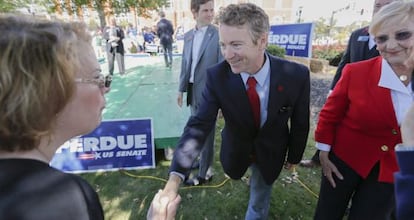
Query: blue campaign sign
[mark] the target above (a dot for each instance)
(114, 145)
(296, 39)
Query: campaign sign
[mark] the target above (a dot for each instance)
(296, 39)
(114, 145)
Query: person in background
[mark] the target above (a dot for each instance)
(51, 90)
(98, 42)
(149, 37)
(132, 31)
(165, 33)
(359, 125)
(361, 46)
(265, 104)
(114, 46)
(179, 38)
(201, 50)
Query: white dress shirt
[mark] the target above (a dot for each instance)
(197, 41)
(262, 87)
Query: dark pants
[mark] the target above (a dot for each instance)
(167, 54)
(370, 199)
(189, 94)
(119, 60)
(207, 153)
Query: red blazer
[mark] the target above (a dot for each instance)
(358, 121)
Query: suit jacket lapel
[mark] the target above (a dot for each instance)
(381, 96)
(207, 37)
(238, 96)
(276, 93)
(189, 50)
(276, 90)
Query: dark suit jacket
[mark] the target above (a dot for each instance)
(285, 130)
(165, 31)
(404, 182)
(357, 50)
(358, 120)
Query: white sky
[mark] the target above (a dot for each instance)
(314, 9)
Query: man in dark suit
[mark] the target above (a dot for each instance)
(165, 31)
(404, 179)
(361, 46)
(201, 50)
(265, 104)
(114, 46)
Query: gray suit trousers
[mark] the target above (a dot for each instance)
(207, 154)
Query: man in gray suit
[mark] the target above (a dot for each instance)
(201, 50)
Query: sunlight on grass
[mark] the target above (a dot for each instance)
(115, 214)
(127, 195)
(165, 163)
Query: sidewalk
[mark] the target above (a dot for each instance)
(148, 90)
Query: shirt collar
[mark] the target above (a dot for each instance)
(201, 30)
(261, 75)
(371, 42)
(390, 80)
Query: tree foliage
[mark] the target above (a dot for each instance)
(147, 5)
(321, 28)
(11, 6)
(340, 34)
(140, 8)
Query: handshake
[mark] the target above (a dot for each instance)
(162, 208)
(165, 203)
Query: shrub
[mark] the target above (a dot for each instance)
(336, 59)
(133, 48)
(276, 50)
(316, 66)
(332, 53)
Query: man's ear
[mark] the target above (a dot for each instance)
(194, 14)
(263, 40)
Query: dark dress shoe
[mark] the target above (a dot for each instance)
(197, 181)
(309, 163)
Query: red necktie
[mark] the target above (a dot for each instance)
(254, 100)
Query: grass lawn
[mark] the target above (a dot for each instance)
(127, 195)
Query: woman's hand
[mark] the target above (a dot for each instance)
(162, 208)
(328, 168)
(165, 203)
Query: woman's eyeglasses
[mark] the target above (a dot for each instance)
(399, 36)
(101, 81)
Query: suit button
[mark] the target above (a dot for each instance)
(394, 131)
(384, 148)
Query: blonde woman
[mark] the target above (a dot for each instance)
(51, 90)
(359, 124)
